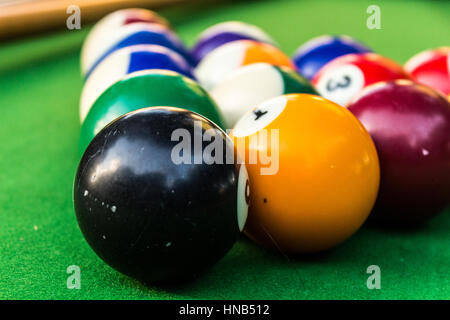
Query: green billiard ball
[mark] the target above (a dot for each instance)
(147, 88)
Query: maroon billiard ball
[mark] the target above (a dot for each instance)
(410, 125)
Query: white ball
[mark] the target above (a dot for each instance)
(246, 88)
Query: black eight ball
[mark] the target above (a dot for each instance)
(149, 217)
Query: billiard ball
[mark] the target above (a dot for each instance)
(125, 61)
(314, 54)
(153, 215)
(250, 85)
(225, 32)
(122, 17)
(94, 51)
(314, 175)
(112, 22)
(147, 88)
(431, 68)
(344, 77)
(410, 125)
(220, 62)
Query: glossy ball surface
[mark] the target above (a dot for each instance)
(93, 52)
(321, 181)
(410, 125)
(219, 63)
(148, 216)
(314, 54)
(112, 22)
(147, 89)
(431, 68)
(125, 61)
(344, 77)
(225, 32)
(250, 85)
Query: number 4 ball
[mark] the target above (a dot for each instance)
(323, 177)
(250, 85)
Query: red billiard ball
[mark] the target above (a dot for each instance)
(410, 126)
(431, 68)
(343, 78)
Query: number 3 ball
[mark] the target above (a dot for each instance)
(314, 54)
(322, 180)
(148, 215)
(343, 78)
(410, 125)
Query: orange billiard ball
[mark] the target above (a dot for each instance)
(313, 171)
(217, 65)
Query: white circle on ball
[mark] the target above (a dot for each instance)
(260, 117)
(246, 88)
(341, 84)
(243, 196)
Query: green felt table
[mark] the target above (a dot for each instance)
(40, 84)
